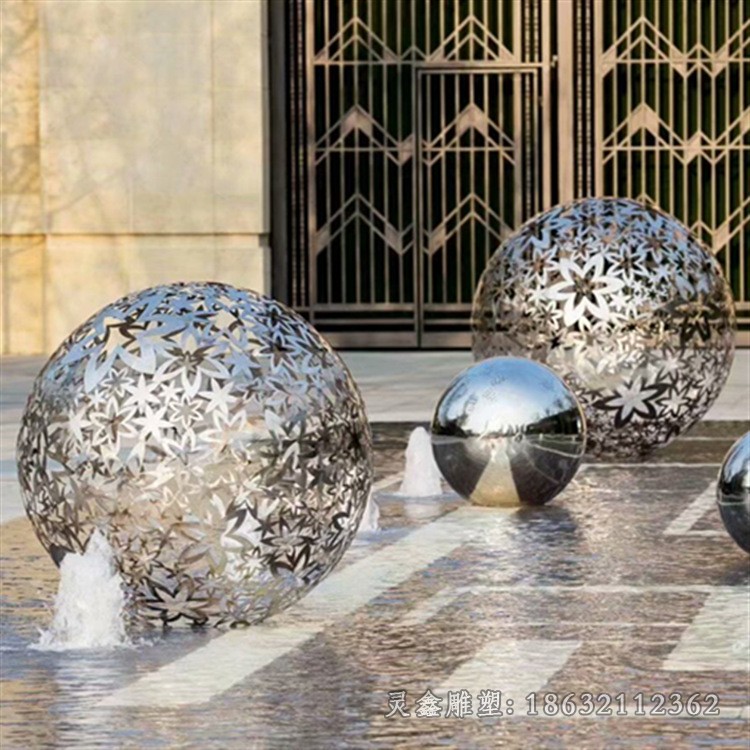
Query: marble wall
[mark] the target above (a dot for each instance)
(135, 151)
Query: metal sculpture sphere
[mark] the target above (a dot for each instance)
(213, 436)
(625, 305)
(508, 431)
(733, 492)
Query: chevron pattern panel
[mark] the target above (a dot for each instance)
(673, 127)
(477, 182)
(416, 160)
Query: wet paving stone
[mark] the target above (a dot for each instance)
(615, 588)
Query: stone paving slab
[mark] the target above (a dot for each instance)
(405, 386)
(626, 584)
(626, 587)
(398, 386)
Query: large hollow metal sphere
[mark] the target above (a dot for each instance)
(733, 492)
(508, 431)
(213, 436)
(625, 305)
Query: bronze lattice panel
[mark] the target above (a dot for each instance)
(417, 134)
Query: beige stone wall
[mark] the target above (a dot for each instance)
(135, 151)
(21, 224)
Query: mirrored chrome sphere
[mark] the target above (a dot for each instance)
(508, 431)
(733, 492)
(216, 440)
(625, 305)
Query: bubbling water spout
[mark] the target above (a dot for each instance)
(371, 519)
(422, 477)
(90, 602)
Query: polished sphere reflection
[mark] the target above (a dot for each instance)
(625, 305)
(213, 436)
(733, 492)
(508, 431)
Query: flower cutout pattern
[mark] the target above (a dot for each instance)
(585, 291)
(628, 308)
(216, 439)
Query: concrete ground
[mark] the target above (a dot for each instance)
(616, 616)
(405, 386)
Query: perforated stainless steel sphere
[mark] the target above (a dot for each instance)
(733, 492)
(625, 305)
(216, 440)
(508, 431)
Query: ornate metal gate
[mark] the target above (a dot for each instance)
(673, 126)
(479, 175)
(415, 133)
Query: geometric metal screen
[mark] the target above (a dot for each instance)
(415, 134)
(422, 147)
(476, 182)
(674, 128)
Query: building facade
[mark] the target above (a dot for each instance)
(135, 143)
(402, 141)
